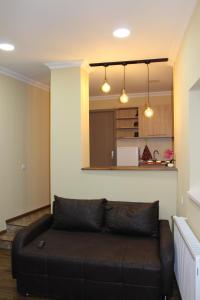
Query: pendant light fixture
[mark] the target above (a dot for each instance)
(105, 86)
(148, 110)
(124, 98)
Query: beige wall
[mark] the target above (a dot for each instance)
(186, 74)
(69, 128)
(115, 103)
(24, 131)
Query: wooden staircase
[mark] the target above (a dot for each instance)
(15, 224)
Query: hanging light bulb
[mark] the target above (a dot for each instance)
(105, 86)
(124, 97)
(148, 110)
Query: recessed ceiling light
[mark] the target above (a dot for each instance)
(121, 32)
(7, 47)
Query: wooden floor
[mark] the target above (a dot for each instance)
(8, 286)
(13, 226)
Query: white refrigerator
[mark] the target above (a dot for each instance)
(127, 156)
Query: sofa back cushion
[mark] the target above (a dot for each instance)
(132, 218)
(82, 215)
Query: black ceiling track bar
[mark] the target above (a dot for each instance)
(129, 62)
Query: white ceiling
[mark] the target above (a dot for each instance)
(59, 30)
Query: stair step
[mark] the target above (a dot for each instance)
(5, 245)
(6, 239)
(13, 228)
(29, 218)
(7, 236)
(15, 224)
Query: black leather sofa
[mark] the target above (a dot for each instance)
(95, 250)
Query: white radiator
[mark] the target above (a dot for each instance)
(187, 260)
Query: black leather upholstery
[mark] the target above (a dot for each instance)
(72, 214)
(167, 257)
(132, 217)
(78, 265)
(26, 235)
(94, 256)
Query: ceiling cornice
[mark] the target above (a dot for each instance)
(131, 95)
(23, 78)
(68, 64)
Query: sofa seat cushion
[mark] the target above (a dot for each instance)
(94, 256)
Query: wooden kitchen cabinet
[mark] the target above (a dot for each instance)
(160, 125)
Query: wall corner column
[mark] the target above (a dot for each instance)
(69, 122)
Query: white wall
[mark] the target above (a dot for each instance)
(24, 131)
(194, 145)
(186, 75)
(69, 128)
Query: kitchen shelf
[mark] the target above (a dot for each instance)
(127, 123)
(127, 138)
(135, 118)
(131, 128)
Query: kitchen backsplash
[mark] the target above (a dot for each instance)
(160, 144)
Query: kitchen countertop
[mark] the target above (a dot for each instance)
(127, 168)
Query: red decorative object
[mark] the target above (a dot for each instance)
(169, 154)
(146, 154)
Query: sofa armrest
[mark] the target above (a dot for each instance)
(167, 257)
(26, 235)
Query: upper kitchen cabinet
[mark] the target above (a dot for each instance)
(160, 125)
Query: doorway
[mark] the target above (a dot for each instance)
(102, 138)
